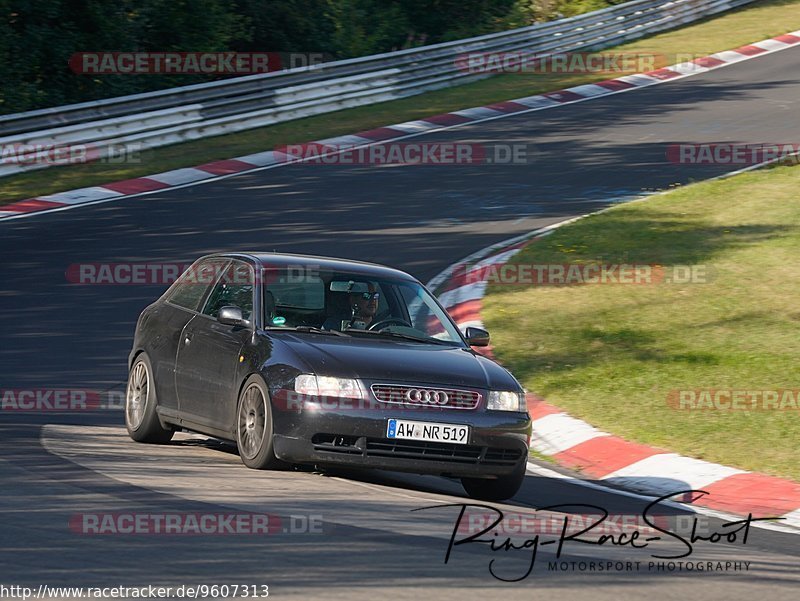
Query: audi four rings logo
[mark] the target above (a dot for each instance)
(419, 395)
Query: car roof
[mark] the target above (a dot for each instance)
(323, 263)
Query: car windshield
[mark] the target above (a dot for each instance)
(354, 304)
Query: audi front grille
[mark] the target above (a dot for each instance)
(427, 396)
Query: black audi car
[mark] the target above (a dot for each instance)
(311, 360)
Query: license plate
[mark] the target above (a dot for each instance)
(427, 431)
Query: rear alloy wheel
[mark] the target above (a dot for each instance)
(499, 489)
(254, 428)
(141, 418)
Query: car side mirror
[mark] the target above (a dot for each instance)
(231, 316)
(476, 337)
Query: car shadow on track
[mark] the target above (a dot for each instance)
(568, 495)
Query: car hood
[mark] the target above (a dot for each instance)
(398, 361)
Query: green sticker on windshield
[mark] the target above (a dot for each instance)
(278, 321)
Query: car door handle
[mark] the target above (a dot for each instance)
(187, 339)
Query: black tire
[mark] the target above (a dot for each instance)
(254, 427)
(499, 489)
(141, 418)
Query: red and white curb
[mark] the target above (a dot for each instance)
(216, 170)
(608, 459)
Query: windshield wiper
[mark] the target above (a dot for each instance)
(399, 335)
(310, 330)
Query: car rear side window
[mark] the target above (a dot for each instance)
(234, 289)
(190, 289)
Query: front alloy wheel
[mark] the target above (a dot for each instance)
(254, 428)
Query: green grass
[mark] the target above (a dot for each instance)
(534, 454)
(610, 354)
(749, 24)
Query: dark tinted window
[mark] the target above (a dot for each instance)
(235, 289)
(191, 287)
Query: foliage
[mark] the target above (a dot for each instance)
(38, 38)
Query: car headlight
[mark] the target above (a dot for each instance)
(506, 400)
(327, 386)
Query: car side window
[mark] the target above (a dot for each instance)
(190, 289)
(235, 288)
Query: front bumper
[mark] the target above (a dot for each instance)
(356, 437)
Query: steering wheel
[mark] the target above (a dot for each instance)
(379, 325)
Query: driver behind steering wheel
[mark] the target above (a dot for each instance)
(363, 307)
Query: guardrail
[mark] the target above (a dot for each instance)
(198, 111)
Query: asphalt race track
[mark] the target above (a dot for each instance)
(57, 334)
